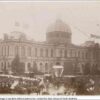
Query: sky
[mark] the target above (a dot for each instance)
(33, 18)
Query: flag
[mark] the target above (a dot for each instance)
(95, 36)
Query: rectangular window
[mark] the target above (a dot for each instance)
(51, 52)
(41, 52)
(65, 53)
(70, 53)
(8, 51)
(29, 51)
(4, 50)
(23, 51)
(16, 50)
(35, 52)
(61, 53)
(46, 52)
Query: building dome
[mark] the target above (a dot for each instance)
(59, 32)
(59, 25)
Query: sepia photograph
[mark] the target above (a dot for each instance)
(50, 48)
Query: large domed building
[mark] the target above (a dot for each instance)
(59, 32)
(57, 48)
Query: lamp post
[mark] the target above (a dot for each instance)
(58, 70)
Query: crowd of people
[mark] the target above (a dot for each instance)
(12, 85)
(43, 86)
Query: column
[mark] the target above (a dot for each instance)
(26, 68)
(20, 51)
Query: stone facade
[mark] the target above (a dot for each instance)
(43, 55)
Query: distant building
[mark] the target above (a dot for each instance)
(57, 48)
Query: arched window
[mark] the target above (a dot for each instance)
(4, 50)
(79, 54)
(61, 53)
(46, 52)
(2, 65)
(86, 55)
(41, 52)
(8, 65)
(29, 67)
(23, 51)
(41, 67)
(40, 64)
(8, 50)
(80, 69)
(70, 53)
(83, 55)
(35, 68)
(65, 54)
(16, 50)
(35, 52)
(51, 67)
(5, 67)
(46, 67)
(29, 51)
(51, 52)
(74, 53)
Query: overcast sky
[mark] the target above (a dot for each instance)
(35, 17)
